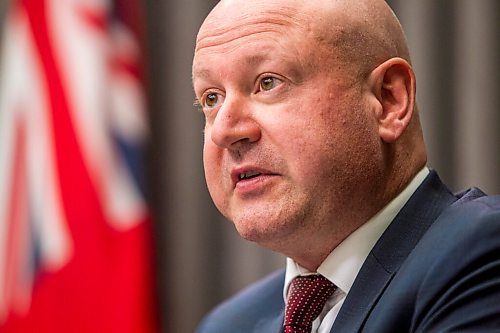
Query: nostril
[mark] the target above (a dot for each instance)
(230, 136)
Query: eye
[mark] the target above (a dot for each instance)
(268, 83)
(211, 100)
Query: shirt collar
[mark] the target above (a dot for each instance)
(343, 264)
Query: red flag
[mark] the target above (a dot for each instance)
(75, 231)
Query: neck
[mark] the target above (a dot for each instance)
(312, 248)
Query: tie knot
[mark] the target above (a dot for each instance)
(307, 296)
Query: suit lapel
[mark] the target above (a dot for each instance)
(425, 205)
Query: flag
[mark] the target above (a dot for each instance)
(75, 230)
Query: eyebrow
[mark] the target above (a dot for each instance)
(251, 60)
(201, 73)
(256, 59)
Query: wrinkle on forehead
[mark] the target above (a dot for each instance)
(251, 60)
(229, 26)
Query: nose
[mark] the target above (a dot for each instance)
(234, 125)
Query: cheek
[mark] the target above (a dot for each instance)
(212, 167)
(324, 143)
(314, 156)
(305, 146)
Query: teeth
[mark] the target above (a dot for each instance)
(248, 174)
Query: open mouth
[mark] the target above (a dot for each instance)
(248, 175)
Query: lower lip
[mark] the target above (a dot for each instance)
(253, 185)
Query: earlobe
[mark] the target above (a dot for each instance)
(393, 84)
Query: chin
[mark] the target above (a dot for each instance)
(265, 230)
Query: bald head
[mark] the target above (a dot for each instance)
(360, 34)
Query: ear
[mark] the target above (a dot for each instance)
(393, 84)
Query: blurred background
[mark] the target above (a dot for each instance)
(166, 263)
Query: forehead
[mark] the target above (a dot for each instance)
(251, 32)
(230, 23)
(246, 59)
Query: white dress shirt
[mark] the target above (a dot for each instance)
(343, 264)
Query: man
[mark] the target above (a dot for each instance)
(313, 148)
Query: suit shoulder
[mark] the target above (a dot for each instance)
(489, 203)
(262, 299)
(474, 222)
(463, 239)
(476, 213)
(450, 280)
(463, 274)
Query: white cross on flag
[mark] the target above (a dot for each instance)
(75, 232)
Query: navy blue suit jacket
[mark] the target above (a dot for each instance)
(435, 269)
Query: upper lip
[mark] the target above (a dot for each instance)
(237, 173)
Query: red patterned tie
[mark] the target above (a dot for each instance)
(307, 296)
